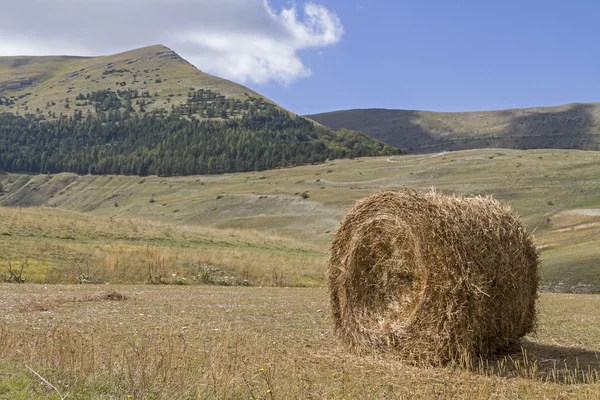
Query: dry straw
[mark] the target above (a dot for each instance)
(432, 277)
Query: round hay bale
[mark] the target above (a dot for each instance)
(432, 277)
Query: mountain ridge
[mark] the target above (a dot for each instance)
(569, 126)
(45, 82)
(150, 112)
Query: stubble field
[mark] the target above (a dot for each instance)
(173, 342)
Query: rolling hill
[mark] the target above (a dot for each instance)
(554, 191)
(571, 126)
(148, 111)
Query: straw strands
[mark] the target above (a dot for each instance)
(432, 277)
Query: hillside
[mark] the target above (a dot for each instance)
(45, 83)
(148, 111)
(571, 126)
(554, 191)
(59, 246)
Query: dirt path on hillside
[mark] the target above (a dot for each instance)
(588, 212)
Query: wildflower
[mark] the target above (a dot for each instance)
(268, 390)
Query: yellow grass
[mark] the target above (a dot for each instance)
(59, 246)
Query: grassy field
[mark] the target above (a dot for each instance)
(172, 342)
(57, 246)
(554, 191)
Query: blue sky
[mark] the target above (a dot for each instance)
(451, 56)
(327, 55)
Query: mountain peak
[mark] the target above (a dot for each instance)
(148, 51)
(50, 85)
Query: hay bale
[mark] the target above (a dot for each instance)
(432, 277)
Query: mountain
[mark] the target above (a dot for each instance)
(44, 83)
(571, 126)
(148, 111)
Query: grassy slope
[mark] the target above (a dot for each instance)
(541, 185)
(569, 126)
(268, 343)
(57, 246)
(56, 78)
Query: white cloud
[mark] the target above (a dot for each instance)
(259, 59)
(242, 40)
(22, 46)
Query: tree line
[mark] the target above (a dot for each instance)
(117, 141)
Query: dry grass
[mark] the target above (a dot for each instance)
(170, 342)
(56, 246)
(432, 277)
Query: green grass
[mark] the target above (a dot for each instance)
(541, 186)
(267, 343)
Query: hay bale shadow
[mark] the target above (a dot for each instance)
(549, 363)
